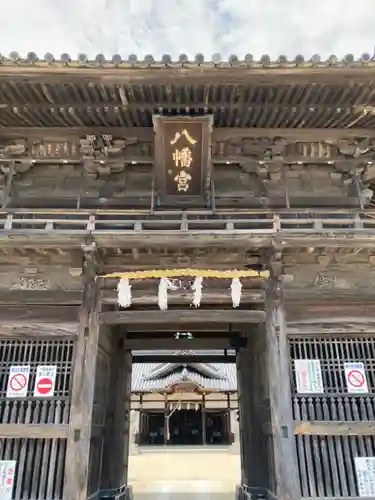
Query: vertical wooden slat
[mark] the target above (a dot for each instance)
(336, 463)
(301, 453)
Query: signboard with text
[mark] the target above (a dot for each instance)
(18, 381)
(309, 378)
(365, 470)
(183, 158)
(356, 380)
(7, 472)
(45, 381)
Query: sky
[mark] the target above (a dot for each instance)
(274, 27)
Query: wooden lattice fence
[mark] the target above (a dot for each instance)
(334, 427)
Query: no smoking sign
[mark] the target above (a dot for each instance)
(18, 381)
(356, 380)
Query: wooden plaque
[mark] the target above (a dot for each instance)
(184, 386)
(183, 158)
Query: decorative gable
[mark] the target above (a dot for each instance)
(164, 369)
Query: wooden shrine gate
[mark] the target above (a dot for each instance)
(321, 433)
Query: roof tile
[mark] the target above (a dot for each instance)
(199, 60)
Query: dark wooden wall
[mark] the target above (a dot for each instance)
(33, 431)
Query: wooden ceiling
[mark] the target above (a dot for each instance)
(264, 94)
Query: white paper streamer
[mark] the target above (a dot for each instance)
(236, 290)
(164, 286)
(124, 293)
(197, 288)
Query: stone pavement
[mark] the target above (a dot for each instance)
(194, 474)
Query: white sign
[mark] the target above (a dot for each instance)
(18, 381)
(309, 378)
(45, 381)
(355, 375)
(7, 471)
(365, 469)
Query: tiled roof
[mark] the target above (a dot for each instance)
(223, 377)
(247, 61)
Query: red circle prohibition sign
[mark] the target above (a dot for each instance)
(45, 385)
(18, 382)
(356, 378)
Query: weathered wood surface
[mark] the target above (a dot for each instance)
(339, 326)
(324, 428)
(146, 134)
(250, 231)
(24, 330)
(284, 451)
(122, 420)
(195, 358)
(212, 343)
(139, 297)
(253, 398)
(82, 398)
(332, 313)
(33, 431)
(205, 75)
(183, 315)
(38, 314)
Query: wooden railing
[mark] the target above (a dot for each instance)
(256, 221)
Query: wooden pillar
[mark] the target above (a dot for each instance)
(78, 442)
(250, 415)
(119, 458)
(286, 478)
(117, 436)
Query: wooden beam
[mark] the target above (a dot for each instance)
(82, 399)
(182, 315)
(166, 239)
(177, 344)
(205, 74)
(339, 428)
(39, 314)
(146, 134)
(331, 313)
(200, 328)
(337, 326)
(139, 297)
(150, 297)
(172, 358)
(26, 330)
(284, 451)
(33, 431)
(38, 297)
